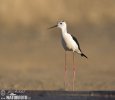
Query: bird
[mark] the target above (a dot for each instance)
(69, 43)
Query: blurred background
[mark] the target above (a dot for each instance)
(31, 57)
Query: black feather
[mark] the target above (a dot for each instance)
(75, 39)
(83, 55)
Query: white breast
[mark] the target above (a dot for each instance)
(68, 42)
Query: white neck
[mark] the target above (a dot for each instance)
(64, 30)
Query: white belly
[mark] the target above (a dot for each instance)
(68, 43)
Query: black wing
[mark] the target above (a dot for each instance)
(75, 39)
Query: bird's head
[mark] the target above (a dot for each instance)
(60, 24)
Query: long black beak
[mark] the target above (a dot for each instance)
(53, 26)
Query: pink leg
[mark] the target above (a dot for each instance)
(65, 73)
(73, 72)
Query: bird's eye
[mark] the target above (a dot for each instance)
(60, 23)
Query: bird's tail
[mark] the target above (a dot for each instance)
(83, 55)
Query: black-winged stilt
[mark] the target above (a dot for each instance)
(69, 43)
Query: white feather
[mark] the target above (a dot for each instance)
(67, 41)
